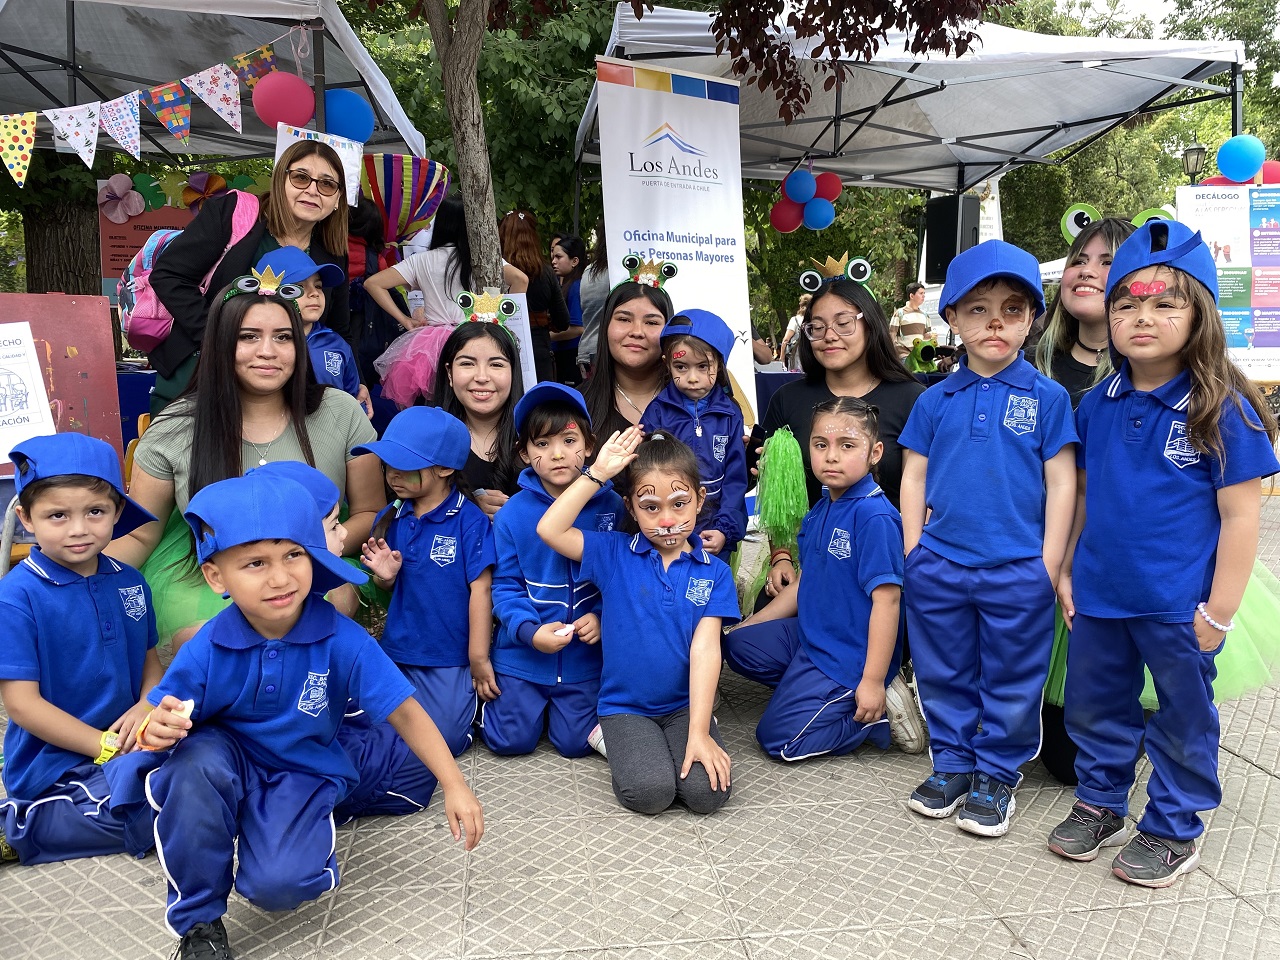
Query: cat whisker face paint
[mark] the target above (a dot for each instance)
(666, 508)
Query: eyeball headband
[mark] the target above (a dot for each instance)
(857, 270)
(1080, 215)
(648, 273)
(265, 284)
(488, 308)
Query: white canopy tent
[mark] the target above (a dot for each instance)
(933, 122)
(57, 53)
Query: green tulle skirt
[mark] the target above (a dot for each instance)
(1246, 663)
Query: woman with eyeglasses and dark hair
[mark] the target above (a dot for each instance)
(845, 351)
(306, 208)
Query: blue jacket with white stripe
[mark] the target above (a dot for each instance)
(533, 585)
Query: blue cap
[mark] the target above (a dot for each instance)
(323, 490)
(987, 261)
(1182, 249)
(257, 507)
(294, 266)
(40, 458)
(549, 392)
(421, 437)
(707, 327)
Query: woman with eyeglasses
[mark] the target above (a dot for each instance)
(845, 351)
(306, 208)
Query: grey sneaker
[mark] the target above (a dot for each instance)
(1151, 861)
(906, 723)
(939, 796)
(1086, 829)
(988, 807)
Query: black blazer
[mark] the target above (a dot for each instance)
(177, 274)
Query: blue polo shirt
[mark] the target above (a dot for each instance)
(284, 699)
(649, 615)
(444, 551)
(848, 547)
(84, 640)
(332, 360)
(987, 439)
(1151, 528)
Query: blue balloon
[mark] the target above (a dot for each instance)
(347, 114)
(800, 186)
(1240, 158)
(819, 214)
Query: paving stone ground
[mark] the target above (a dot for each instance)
(816, 860)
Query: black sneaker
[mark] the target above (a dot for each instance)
(1086, 829)
(205, 941)
(939, 796)
(988, 807)
(1151, 861)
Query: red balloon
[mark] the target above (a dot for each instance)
(829, 186)
(281, 97)
(1218, 181)
(786, 216)
(1271, 171)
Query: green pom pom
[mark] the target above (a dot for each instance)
(783, 496)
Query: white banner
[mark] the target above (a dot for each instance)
(672, 179)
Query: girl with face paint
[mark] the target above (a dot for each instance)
(664, 598)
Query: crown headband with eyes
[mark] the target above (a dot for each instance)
(649, 273)
(1080, 215)
(857, 270)
(265, 284)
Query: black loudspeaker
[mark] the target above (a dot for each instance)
(951, 226)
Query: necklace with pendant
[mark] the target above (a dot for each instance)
(637, 409)
(262, 455)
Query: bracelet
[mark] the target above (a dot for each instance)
(109, 743)
(779, 552)
(780, 559)
(1220, 627)
(586, 472)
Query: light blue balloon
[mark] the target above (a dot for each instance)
(819, 214)
(1240, 158)
(800, 186)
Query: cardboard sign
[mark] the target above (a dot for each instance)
(120, 241)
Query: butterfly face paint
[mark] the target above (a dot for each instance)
(666, 508)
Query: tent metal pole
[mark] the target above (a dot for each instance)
(71, 52)
(26, 75)
(577, 195)
(835, 130)
(317, 64)
(1237, 101)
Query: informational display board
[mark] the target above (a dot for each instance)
(57, 369)
(120, 241)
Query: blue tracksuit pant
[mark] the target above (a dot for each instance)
(512, 724)
(449, 698)
(980, 645)
(809, 714)
(1104, 718)
(393, 782)
(71, 820)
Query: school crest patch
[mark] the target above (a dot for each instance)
(333, 363)
(135, 602)
(315, 694)
(718, 445)
(1020, 414)
(839, 545)
(606, 522)
(443, 550)
(1178, 449)
(699, 591)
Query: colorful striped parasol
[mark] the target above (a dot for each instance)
(408, 189)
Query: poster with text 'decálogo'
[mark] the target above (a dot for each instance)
(672, 179)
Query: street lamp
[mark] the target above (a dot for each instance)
(1193, 159)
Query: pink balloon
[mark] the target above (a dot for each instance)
(1271, 171)
(1218, 181)
(829, 186)
(281, 97)
(786, 216)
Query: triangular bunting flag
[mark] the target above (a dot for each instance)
(120, 120)
(171, 104)
(77, 127)
(17, 142)
(254, 65)
(219, 88)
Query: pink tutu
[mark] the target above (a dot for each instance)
(408, 365)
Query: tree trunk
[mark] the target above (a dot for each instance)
(458, 47)
(62, 253)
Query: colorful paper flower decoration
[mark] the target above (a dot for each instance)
(118, 201)
(202, 186)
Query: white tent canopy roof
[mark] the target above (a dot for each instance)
(931, 122)
(124, 45)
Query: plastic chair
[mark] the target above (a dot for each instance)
(144, 421)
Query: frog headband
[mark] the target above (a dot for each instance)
(1080, 215)
(857, 270)
(266, 284)
(487, 308)
(648, 273)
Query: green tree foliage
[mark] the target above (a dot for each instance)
(13, 267)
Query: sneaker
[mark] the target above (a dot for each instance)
(7, 853)
(988, 807)
(205, 941)
(906, 724)
(1086, 829)
(939, 796)
(1151, 861)
(595, 740)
